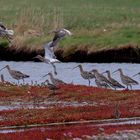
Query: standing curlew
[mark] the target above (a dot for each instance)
(85, 74)
(101, 78)
(51, 86)
(55, 81)
(115, 84)
(16, 74)
(126, 80)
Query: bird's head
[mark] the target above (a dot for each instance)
(38, 57)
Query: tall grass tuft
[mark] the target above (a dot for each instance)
(31, 28)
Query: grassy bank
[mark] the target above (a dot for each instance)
(96, 24)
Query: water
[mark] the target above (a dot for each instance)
(38, 69)
(16, 105)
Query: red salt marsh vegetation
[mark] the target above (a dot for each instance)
(69, 103)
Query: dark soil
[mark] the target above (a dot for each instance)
(123, 54)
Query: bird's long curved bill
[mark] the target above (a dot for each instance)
(74, 67)
(2, 68)
(114, 71)
(136, 74)
(45, 75)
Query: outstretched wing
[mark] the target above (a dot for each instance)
(49, 53)
(60, 34)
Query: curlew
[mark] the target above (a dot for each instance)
(49, 61)
(126, 80)
(100, 77)
(115, 84)
(55, 81)
(85, 74)
(51, 86)
(16, 74)
(50, 57)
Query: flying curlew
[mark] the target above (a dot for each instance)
(50, 57)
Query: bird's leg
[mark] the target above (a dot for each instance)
(23, 81)
(131, 87)
(127, 87)
(54, 68)
(18, 82)
(88, 82)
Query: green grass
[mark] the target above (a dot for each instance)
(87, 19)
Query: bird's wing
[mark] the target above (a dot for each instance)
(116, 82)
(18, 73)
(60, 34)
(49, 53)
(130, 80)
(9, 32)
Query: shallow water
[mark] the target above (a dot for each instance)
(43, 105)
(38, 69)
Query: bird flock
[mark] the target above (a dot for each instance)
(101, 80)
(108, 82)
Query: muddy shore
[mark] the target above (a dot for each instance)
(129, 54)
